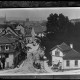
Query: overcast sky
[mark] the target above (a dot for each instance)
(39, 13)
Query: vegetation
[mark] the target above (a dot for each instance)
(60, 29)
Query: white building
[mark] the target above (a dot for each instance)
(66, 55)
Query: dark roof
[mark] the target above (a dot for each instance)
(69, 53)
(64, 47)
(6, 40)
(39, 29)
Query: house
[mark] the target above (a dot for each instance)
(13, 55)
(9, 56)
(66, 55)
(12, 34)
(33, 29)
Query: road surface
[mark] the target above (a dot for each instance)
(27, 68)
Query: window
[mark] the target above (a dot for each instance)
(76, 62)
(57, 53)
(67, 63)
(7, 47)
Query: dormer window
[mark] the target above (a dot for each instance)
(7, 47)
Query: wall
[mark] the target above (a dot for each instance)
(55, 59)
(9, 60)
(72, 64)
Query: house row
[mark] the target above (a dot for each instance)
(10, 48)
(12, 40)
(66, 56)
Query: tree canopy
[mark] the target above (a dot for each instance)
(58, 25)
(59, 29)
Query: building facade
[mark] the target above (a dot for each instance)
(65, 56)
(10, 49)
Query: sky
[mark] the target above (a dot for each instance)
(37, 14)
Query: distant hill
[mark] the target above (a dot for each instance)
(15, 18)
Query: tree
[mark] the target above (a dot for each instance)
(52, 23)
(59, 29)
(62, 23)
(58, 26)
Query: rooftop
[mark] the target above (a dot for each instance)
(69, 53)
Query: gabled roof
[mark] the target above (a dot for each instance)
(69, 53)
(10, 30)
(62, 47)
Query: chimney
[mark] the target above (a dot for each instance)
(71, 45)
